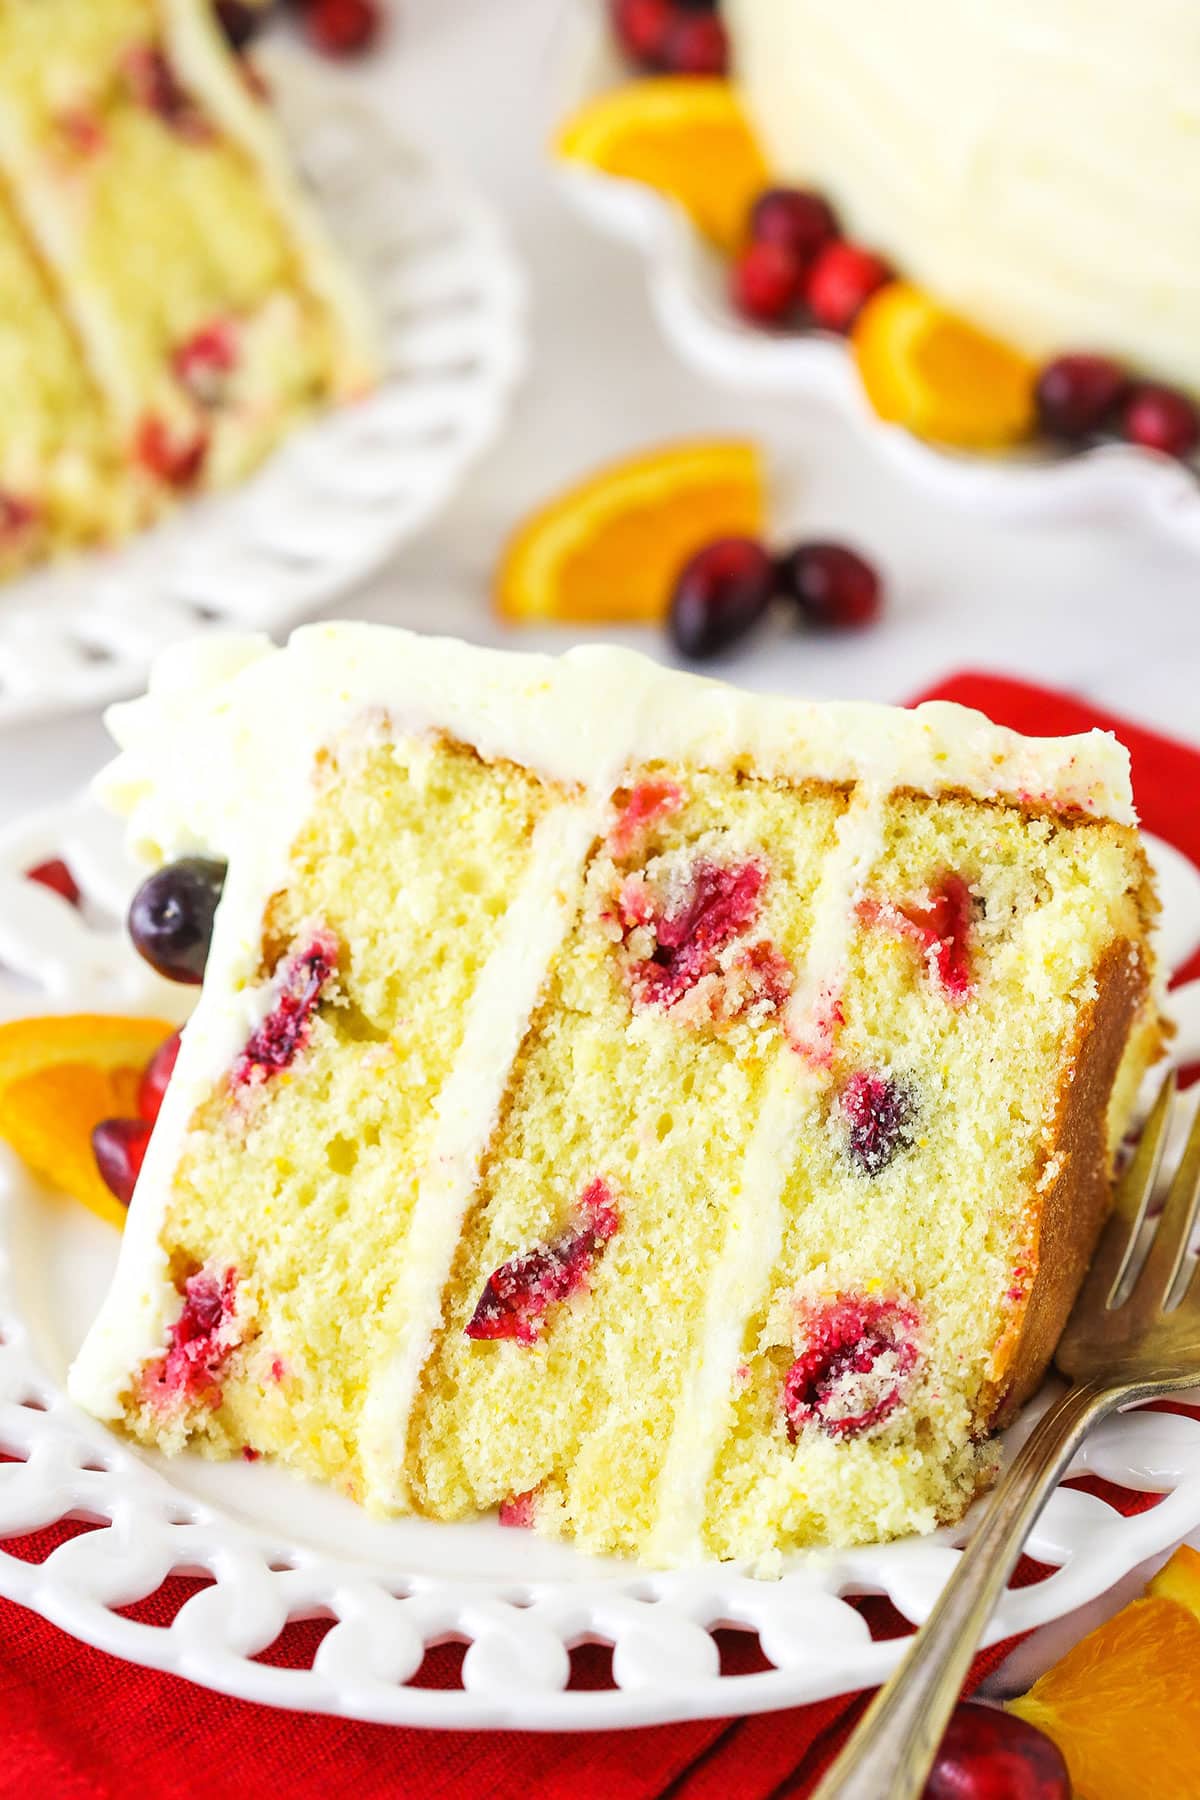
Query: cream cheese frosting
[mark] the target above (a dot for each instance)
(1034, 164)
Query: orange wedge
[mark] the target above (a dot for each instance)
(685, 135)
(1123, 1706)
(925, 368)
(58, 1078)
(608, 550)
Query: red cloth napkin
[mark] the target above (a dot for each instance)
(78, 1724)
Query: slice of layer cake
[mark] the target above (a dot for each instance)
(211, 310)
(677, 1117)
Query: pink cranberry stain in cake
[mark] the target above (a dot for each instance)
(815, 1039)
(18, 517)
(175, 460)
(940, 927)
(879, 1111)
(199, 1344)
(853, 1367)
(285, 1031)
(518, 1295)
(648, 802)
(80, 132)
(154, 84)
(519, 1510)
(204, 361)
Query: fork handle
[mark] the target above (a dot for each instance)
(893, 1748)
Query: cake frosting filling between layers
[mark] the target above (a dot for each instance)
(547, 1043)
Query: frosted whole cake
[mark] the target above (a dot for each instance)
(1034, 164)
(679, 1118)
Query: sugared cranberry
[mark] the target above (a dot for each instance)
(988, 1754)
(517, 1296)
(155, 85)
(288, 1026)
(832, 585)
(56, 876)
(239, 22)
(696, 44)
(171, 916)
(119, 1146)
(803, 222)
(158, 1073)
(721, 594)
(177, 461)
(767, 281)
(342, 27)
(841, 281)
(851, 1373)
(641, 27)
(1077, 395)
(1161, 418)
(879, 1112)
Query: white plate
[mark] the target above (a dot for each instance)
(278, 1549)
(337, 499)
(689, 291)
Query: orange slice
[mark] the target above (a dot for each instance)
(925, 368)
(685, 135)
(1123, 1706)
(608, 550)
(58, 1078)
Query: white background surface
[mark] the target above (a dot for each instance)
(1111, 612)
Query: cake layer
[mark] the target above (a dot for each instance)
(1000, 155)
(678, 1117)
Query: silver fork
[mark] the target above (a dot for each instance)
(1116, 1348)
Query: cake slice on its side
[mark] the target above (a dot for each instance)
(211, 310)
(681, 1118)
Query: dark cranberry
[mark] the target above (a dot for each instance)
(766, 282)
(56, 875)
(155, 85)
(158, 1072)
(171, 916)
(841, 281)
(721, 593)
(833, 586)
(238, 21)
(988, 1754)
(851, 1373)
(879, 1112)
(1161, 418)
(342, 27)
(518, 1294)
(802, 221)
(119, 1146)
(1077, 395)
(696, 44)
(641, 27)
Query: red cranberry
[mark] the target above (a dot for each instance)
(721, 594)
(720, 903)
(879, 1112)
(641, 27)
(342, 27)
(517, 1295)
(288, 1026)
(119, 1146)
(841, 281)
(696, 44)
(836, 1382)
(1077, 395)
(802, 221)
(204, 360)
(767, 282)
(171, 916)
(178, 462)
(1161, 418)
(56, 875)
(158, 1072)
(199, 1343)
(988, 1754)
(833, 586)
(155, 85)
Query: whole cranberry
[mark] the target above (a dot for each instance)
(1161, 418)
(696, 44)
(1078, 394)
(767, 283)
(153, 1084)
(802, 221)
(171, 916)
(342, 27)
(641, 27)
(721, 594)
(119, 1146)
(841, 281)
(832, 585)
(56, 876)
(988, 1754)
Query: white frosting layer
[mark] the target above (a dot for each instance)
(1035, 163)
(218, 758)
